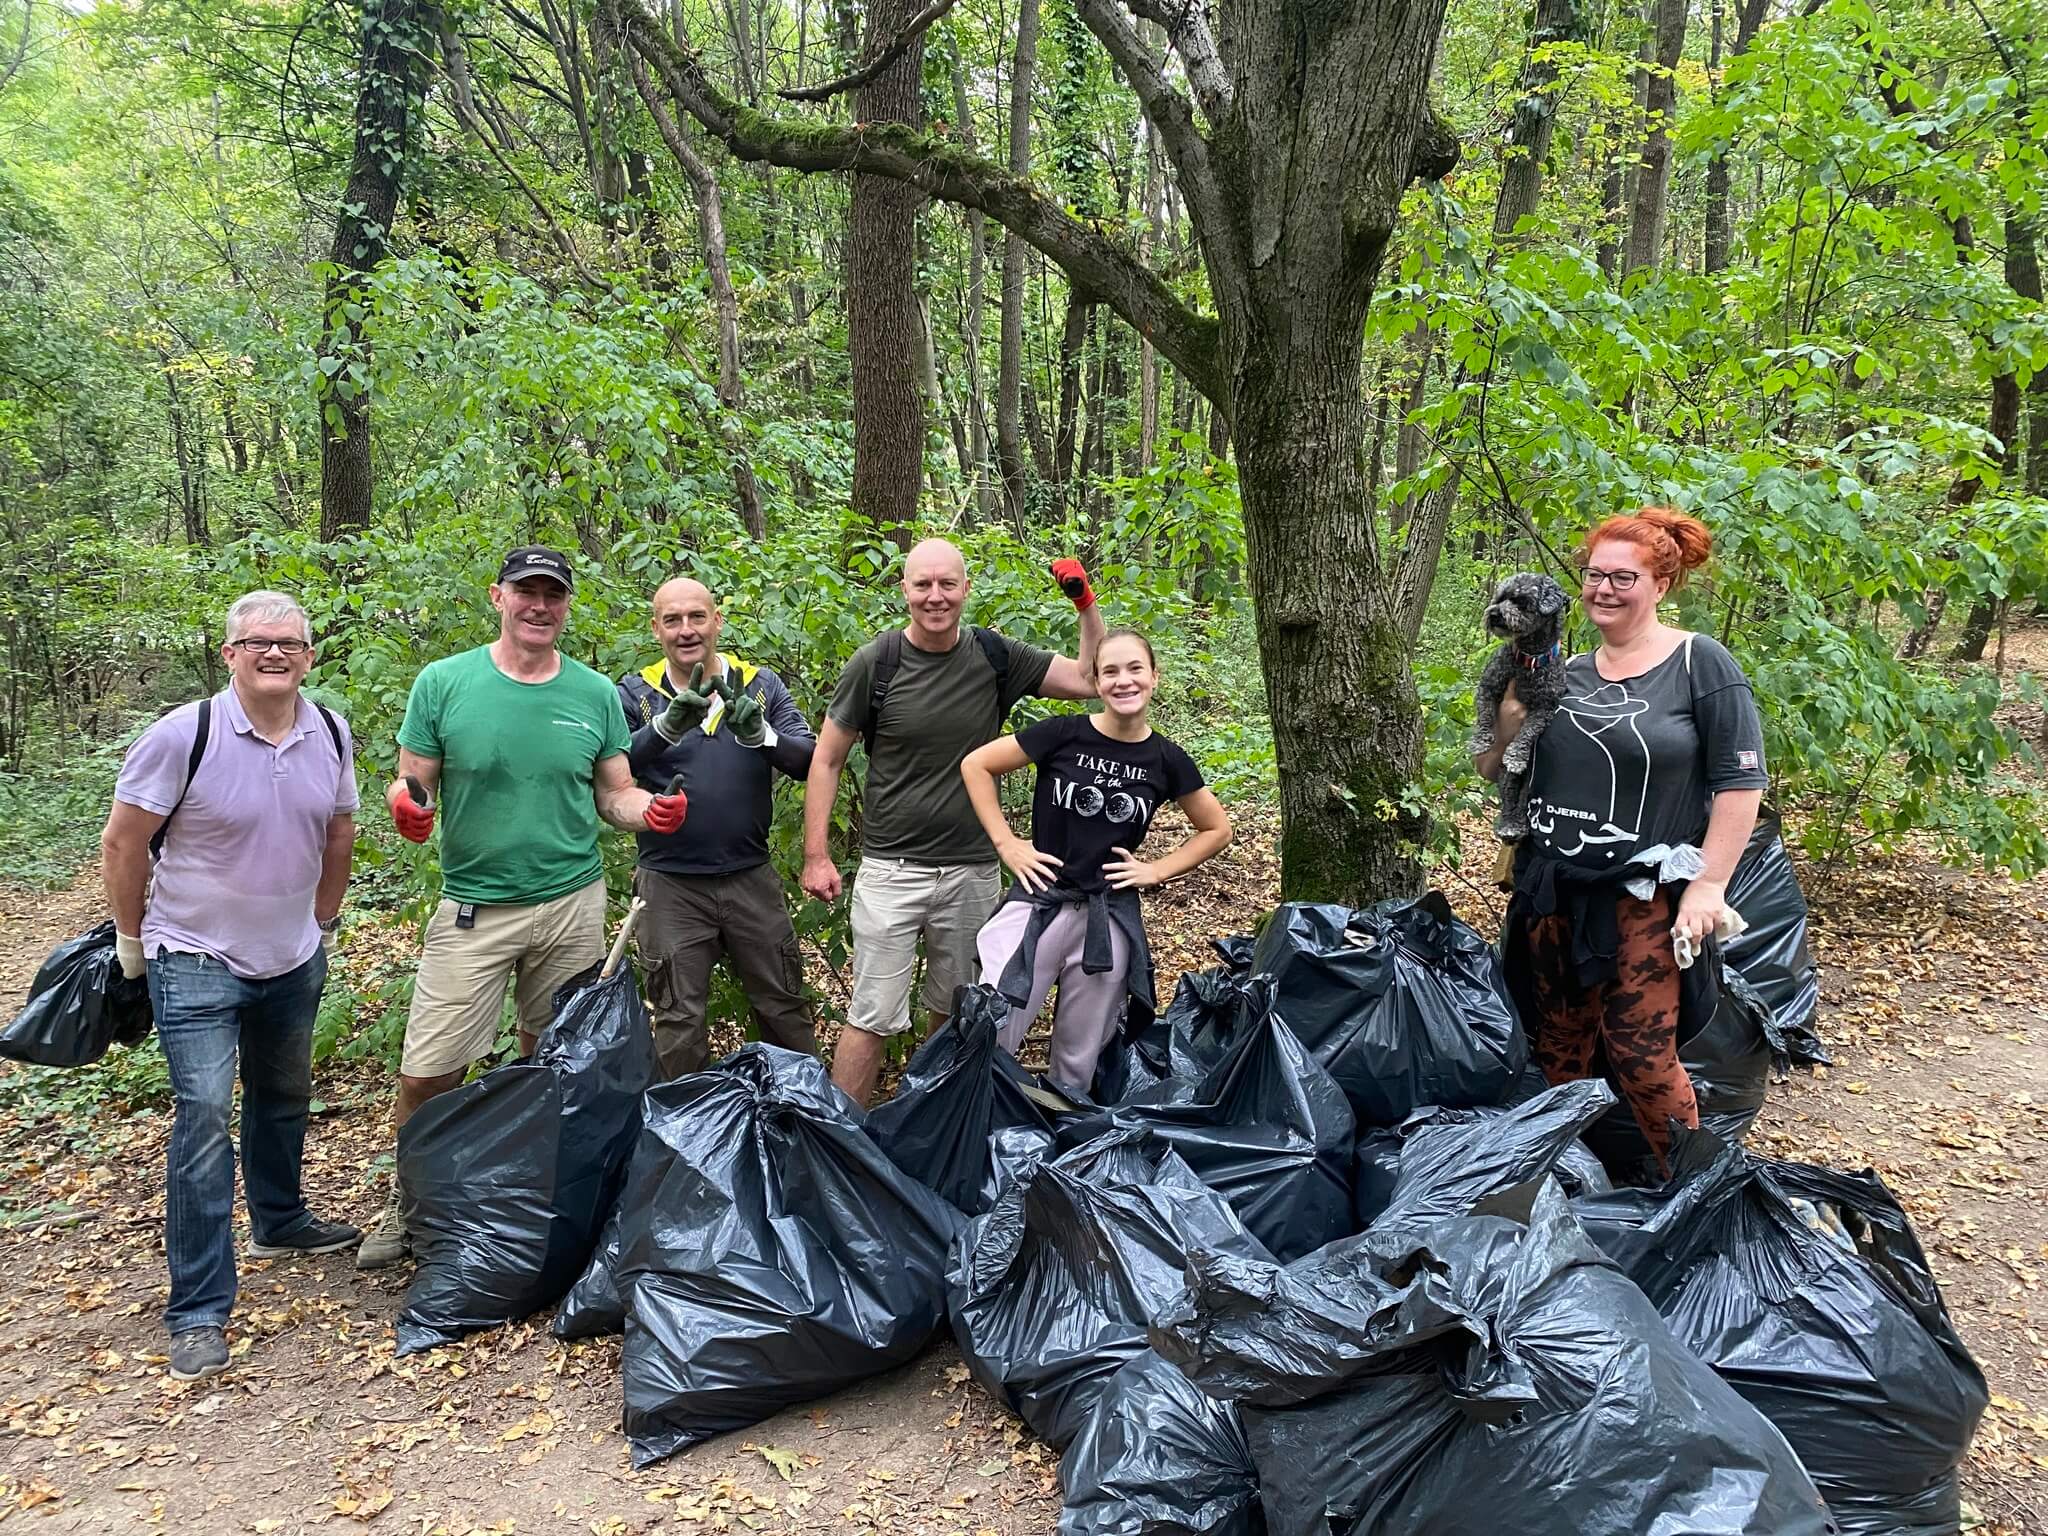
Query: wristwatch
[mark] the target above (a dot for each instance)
(332, 925)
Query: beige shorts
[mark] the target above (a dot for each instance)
(893, 904)
(460, 990)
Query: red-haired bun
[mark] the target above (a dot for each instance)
(1672, 542)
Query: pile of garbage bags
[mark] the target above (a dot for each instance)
(78, 1005)
(1316, 1256)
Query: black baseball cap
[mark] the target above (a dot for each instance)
(537, 560)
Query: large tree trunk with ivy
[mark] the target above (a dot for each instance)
(885, 337)
(397, 51)
(1313, 118)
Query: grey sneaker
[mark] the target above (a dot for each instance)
(316, 1236)
(387, 1242)
(198, 1352)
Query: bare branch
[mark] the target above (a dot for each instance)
(28, 16)
(912, 31)
(1095, 263)
(1187, 28)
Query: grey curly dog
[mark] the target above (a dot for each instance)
(1527, 612)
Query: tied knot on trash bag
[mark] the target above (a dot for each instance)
(965, 1111)
(1265, 1127)
(769, 1252)
(1807, 1292)
(1403, 1004)
(507, 1180)
(1051, 1291)
(78, 1005)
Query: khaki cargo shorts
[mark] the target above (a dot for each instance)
(894, 902)
(463, 971)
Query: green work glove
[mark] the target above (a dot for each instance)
(688, 708)
(744, 714)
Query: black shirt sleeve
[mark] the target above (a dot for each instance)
(1725, 714)
(794, 742)
(1044, 737)
(1182, 777)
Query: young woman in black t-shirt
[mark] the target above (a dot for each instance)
(1101, 777)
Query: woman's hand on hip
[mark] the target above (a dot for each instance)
(1035, 871)
(1127, 872)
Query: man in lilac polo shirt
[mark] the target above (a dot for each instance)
(257, 814)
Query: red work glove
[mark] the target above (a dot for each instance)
(1072, 576)
(414, 821)
(665, 813)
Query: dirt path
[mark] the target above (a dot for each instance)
(1935, 1007)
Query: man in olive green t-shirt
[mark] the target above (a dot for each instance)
(525, 750)
(927, 870)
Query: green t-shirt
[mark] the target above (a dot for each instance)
(518, 760)
(939, 709)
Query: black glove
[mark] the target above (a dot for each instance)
(743, 713)
(687, 710)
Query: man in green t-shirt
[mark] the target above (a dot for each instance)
(525, 750)
(923, 697)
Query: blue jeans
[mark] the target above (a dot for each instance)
(205, 1014)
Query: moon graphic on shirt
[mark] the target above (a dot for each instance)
(1121, 807)
(1087, 801)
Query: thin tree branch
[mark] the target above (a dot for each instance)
(1093, 261)
(28, 16)
(912, 31)
(1187, 27)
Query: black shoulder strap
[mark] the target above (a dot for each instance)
(888, 657)
(333, 733)
(997, 651)
(202, 727)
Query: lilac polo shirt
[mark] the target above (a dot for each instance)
(243, 854)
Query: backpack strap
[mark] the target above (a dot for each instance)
(326, 719)
(889, 658)
(201, 729)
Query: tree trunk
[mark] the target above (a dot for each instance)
(977, 298)
(1073, 339)
(1535, 119)
(191, 507)
(883, 331)
(397, 50)
(718, 269)
(2023, 276)
(1653, 174)
(1010, 359)
(1149, 230)
(1720, 240)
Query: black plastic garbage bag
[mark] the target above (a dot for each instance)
(1772, 954)
(1808, 1292)
(594, 1305)
(1159, 1457)
(959, 1090)
(1050, 1292)
(78, 1005)
(1403, 1004)
(1487, 1374)
(1207, 1013)
(1265, 1127)
(1729, 1061)
(770, 1252)
(506, 1181)
(1433, 1140)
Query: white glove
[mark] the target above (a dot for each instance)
(1726, 927)
(128, 950)
(328, 931)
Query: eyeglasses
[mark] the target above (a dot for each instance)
(1620, 581)
(256, 647)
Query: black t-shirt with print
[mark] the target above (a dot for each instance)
(1625, 766)
(1096, 793)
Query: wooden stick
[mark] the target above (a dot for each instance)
(611, 962)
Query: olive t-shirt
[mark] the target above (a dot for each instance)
(1625, 766)
(940, 707)
(518, 764)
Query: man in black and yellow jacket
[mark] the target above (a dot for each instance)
(726, 726)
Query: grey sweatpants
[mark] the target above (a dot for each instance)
(1086, 1016)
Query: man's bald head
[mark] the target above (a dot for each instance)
(938, 556)
(935, 590)
(681, 591)
(687, 622)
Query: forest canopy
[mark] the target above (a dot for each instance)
(1301, 326)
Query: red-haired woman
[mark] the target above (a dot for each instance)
(1642, 793)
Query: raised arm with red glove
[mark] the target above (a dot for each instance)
(1072, 576)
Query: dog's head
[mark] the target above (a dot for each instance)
(1528, 608)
